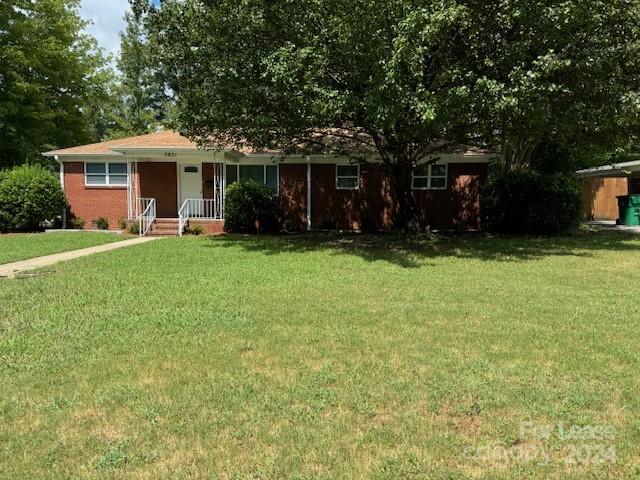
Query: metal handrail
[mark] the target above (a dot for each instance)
(183, 217)
(148, 215)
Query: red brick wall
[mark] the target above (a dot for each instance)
(91, 203)
(371, 207)
(210, 227)
(159, 180)
(293, 196)
(365, 208)
(458, 206)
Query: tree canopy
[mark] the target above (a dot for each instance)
(555, 78)
(49, 70)
(143, 101)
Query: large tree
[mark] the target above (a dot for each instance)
(407, 78)
(141, 90)
(48, 71)
(555, 79)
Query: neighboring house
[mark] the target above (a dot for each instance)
(601, 187)
(166, 180)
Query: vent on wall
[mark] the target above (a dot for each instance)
(190, 169)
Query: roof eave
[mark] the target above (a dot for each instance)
(155, 150)
(613, 170)
(80, 154)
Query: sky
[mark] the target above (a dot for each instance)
(107, 22)
(106, 17)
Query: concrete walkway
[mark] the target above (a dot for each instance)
(611, 225)
(9, 270)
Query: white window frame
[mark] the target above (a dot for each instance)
(429, 177)
(357, 165)
(106, 175)
(264, 172)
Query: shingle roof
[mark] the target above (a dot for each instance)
(172, 139)
(162, 139)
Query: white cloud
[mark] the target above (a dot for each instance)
(106, 17)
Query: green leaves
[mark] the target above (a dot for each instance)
(250, 207)
(143, 103)
(268, 72)
(29, 195)
(554, 73)
(48, 69)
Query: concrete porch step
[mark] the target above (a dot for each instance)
(165, 227)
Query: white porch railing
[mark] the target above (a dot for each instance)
(198, 208)
(139, 206)
(148, 215)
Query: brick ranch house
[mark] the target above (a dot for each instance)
(166, 182)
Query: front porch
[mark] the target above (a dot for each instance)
(164, 227)
(168, 197)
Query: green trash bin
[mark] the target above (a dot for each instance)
(629, 206)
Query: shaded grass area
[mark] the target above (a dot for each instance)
(22, 246)
(323, 357)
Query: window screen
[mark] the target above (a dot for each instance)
(347, 177)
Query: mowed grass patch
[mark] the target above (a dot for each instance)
(323, 357)
(23, 246)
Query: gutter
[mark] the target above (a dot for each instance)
(613, 169)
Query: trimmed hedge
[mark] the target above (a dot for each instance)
(29, 196)
(532, 203)
(250, 207)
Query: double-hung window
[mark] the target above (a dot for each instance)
(105, 174)
(265, 174)
(430, 177)
(347, 177)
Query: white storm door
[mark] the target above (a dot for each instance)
(190, 182)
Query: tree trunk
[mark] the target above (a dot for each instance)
(405, 217)
(398, 162)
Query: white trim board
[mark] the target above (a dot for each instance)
(189, 156)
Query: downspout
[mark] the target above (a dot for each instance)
(308, 158)
(64, 211)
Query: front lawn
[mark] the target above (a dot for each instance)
(14, 247)
(326, 357)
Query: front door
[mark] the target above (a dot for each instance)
(190, 182)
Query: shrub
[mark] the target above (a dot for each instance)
(134, 228)
(194, 229)
(29, 196)
(77, 223)
(102, 223)
(123, 224)
(250, 207)
(532, 203)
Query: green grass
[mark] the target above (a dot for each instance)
(22, 246)
(322, 357)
